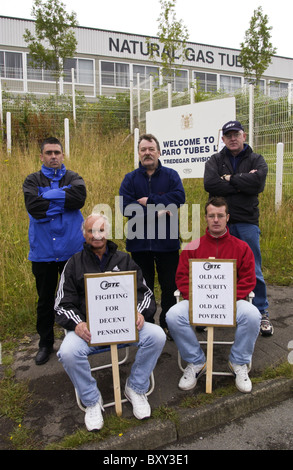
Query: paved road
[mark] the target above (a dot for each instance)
(270, 429)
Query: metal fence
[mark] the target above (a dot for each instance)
(267, 119)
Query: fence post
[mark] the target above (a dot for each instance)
(290, 97)
(66, 132)
(131, 107)
(138, 96)
(251, 115)
(169, 95)
(73, 96)
(191, 92)
(8, 131)
(151, 93)
(136, 136)
(279, 176)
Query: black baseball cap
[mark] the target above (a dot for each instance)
(232, 126)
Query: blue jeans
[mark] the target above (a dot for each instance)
(250, 234)
(247, 330)
(74, 351)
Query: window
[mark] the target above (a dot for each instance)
(206, 82)
(261, 84)
(229, 84)
(11, 64)
(179, 79)
(145, 73)
(278, 89)
(83, 70)
(115, 74)
(39, 73)
(108, 73)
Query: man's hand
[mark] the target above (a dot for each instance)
(140, 321)
(81, 330)
(228, 177)
(143, 201)
(163, 211)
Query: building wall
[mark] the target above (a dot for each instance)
(107, 61)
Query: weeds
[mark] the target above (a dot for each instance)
(113, 426)
(103, 161)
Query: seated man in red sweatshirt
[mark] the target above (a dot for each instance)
(217, 243)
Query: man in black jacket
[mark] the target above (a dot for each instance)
(238, 174)
(100, 255)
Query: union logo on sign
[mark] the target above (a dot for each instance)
(186, 121)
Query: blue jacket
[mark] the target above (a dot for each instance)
(53, 199)
(147, 231)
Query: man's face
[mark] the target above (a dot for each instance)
(148, 154)
(234, 141)
(216, 218)
(95, 234)
(52, 156)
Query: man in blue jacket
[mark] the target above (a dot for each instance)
(53, 198)
(150, 197)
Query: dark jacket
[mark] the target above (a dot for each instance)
(241, 192)
(164, 190)
(53, 199)
(70, 304)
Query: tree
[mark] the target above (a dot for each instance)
(256, 50)
(172, 35)
(53, 28)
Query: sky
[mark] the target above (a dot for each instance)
(211, 22)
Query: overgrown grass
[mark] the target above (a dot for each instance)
(103, 161)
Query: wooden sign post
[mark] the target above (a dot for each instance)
(210, 358)
(111, 301)
(116, 379)
(212, 300)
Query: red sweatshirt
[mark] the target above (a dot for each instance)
(224, 247)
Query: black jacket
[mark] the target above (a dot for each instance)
(241, 192)
(70, 304)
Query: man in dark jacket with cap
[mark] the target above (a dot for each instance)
(238, 174)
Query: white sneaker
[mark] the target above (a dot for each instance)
(190, 376)
(243, 382)
(140, 405)
(93, 416)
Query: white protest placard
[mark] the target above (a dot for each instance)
(212, 292)
(189, 134)
(111, 306)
